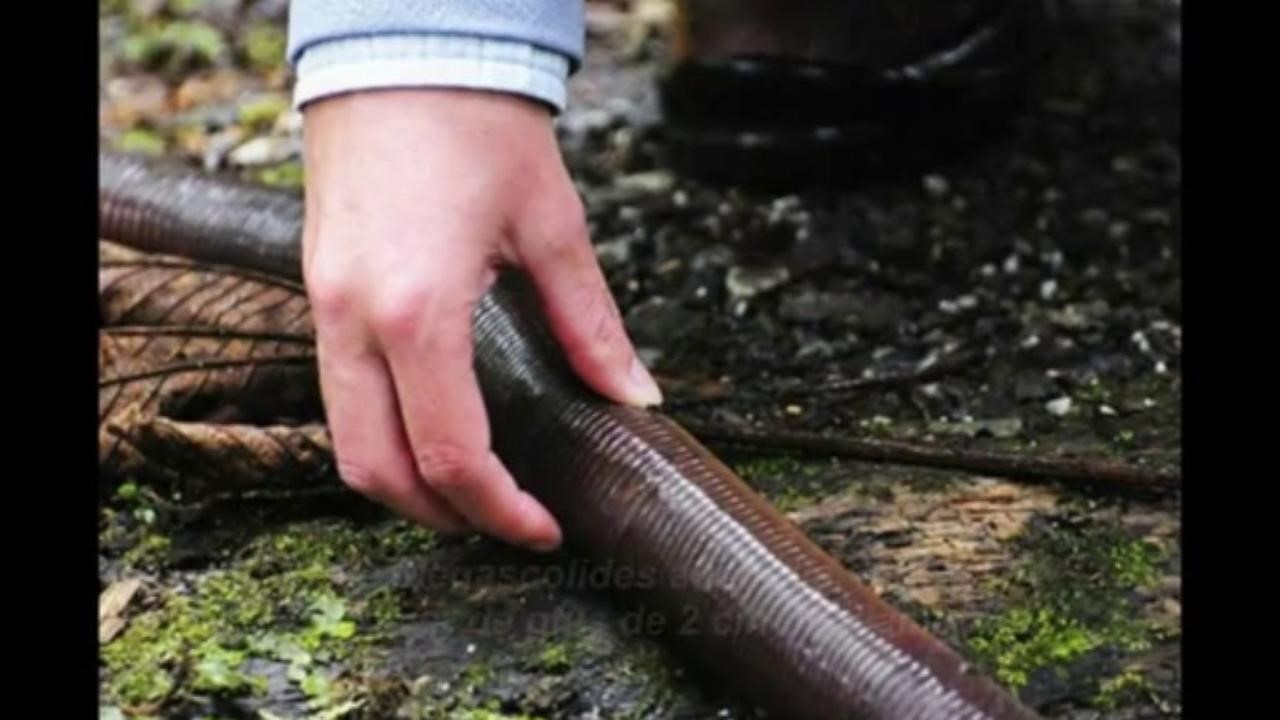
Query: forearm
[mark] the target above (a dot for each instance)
(525, 47)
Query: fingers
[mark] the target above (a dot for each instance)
(555, 251)
(372, 453)
(425, 334)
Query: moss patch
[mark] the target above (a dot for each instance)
(788, 483)
(263, 46)
(288, 174)
(282, 601)
(1073, 594)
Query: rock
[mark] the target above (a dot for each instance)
(1058, 407)
(714, 257)
(221, 13)
(653, 182)
(1001, 428)
(269, 10)
(133, 99)
(218, 145)
(1095, 218)
(809, 305)
(657, 322)
(218, 86)
(879, 312)
(146, 9)
(288, 123)
(266, 150)
(815, 350)
(1030, 386)
(613, 253)
(744, 283)
(586, 121)
(936, 185)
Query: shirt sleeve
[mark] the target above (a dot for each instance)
(527, 47)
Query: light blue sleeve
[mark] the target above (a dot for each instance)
(529, 47)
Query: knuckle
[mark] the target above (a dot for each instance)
(396, 311)
(331, 294)
(443, 466)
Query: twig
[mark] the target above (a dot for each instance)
(1064, 469)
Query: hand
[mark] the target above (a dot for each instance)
(413, 198)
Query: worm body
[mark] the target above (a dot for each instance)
(737, 583)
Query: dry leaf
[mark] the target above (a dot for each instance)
(207, 377)
(111, 606)
(140, 289)
(205, 457)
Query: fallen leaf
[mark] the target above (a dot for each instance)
(111, 606)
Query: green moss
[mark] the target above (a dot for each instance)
(790, 499)
(288, 174)
(1071, 594)
(1026, 639)
(476, 675)
(150, 552)
(141, 141)
(261, 112)
(788, 483)
(281, 601)
(184, 7)
(264, 46)
(554, 658)
(1127, 687)
(175, 46)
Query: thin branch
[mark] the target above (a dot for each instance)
(1020, 467)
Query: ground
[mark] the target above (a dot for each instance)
(1025, 298)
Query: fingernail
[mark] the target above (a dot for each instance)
(644, 390)
(547, 540)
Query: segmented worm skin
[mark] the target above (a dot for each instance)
(737, 584)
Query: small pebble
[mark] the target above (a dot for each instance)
(652, 182)
(1140, 339)
(743, 282)
(1058, 407)
(794, 410)
(265, 151)
(1107, 410)
(613, 253)
(1094, 217)
(1124, 165)
(936, 185)
(1048, 289)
